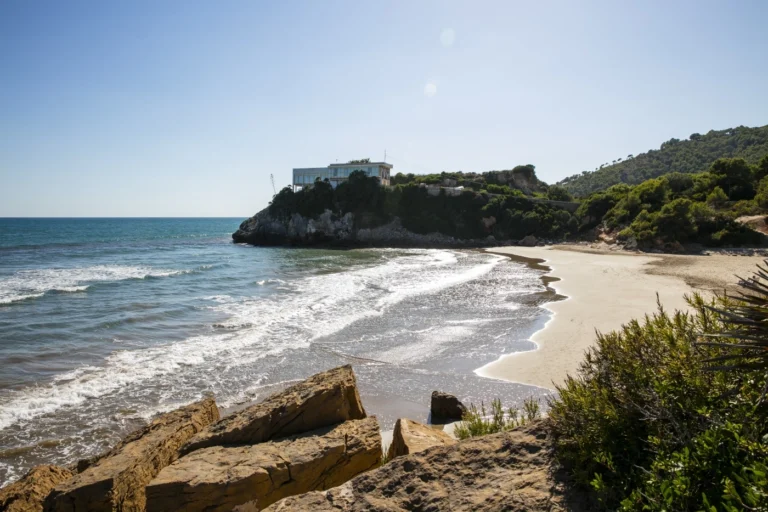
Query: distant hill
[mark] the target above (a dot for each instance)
(693, 155)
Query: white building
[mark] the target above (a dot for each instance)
(336, 173)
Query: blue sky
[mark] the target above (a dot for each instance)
(144, 108)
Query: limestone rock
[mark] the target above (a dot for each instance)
(630, 243)
(253, 477)
(324, 399)
(528, 241)
(446, 408)
(28, 493)
(116, 481)
(512, 471)
(411, 437)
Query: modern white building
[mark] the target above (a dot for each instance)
(336, 173)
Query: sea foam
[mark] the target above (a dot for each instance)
(30, 284)
(253, 328)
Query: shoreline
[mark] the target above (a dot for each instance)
(601, 291)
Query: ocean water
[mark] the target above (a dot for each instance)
(107, 322)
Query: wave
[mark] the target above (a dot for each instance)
(251, 329)
(31, 284)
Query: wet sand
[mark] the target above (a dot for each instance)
(604, 290)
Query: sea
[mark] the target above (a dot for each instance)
(105, 323)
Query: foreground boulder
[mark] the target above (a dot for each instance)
(28, 493)
(116, 481)
(446, 408)
(411, 437)
(322, 400)
(511, 471)
(221, 478)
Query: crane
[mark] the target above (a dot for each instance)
(272, 179)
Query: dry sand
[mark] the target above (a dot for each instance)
(605, 290)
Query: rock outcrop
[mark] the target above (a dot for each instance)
(253, 477)
(445, 408)
(511, 471)
(116, 481)
(411, 437)
(322, 400)
(528, 241)
(332, 230)
(28, 493)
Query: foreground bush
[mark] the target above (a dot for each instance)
(646, 424)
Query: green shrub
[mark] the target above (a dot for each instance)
(746, 207)
(734, 175)
(761, 198)
(558, 193)
(478, 423)
(504, 190)
(688, 156)
(717, 198)
(647, 425)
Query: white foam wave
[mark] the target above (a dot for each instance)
(256, 328)
(29, 284)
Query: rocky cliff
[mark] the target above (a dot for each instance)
(331, 230)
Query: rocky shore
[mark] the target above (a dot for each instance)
(309, 447)
(330, 230)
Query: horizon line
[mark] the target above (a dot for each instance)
(131, 217)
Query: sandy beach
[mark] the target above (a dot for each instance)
(603, 291)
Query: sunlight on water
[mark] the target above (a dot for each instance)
(102, 330)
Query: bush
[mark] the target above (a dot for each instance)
(717, 198)
(647, 425)
(558, 193)
(504, 190)
(761, 198)
(476, 423)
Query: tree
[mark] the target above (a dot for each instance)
(558, 193)
(528, 171)
(360, 193)
(689, 156)
(761, 171)
(717, 198)
(761, 198)
(734, 176)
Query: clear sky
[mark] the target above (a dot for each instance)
(184, 108)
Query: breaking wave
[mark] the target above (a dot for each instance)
(30, 284)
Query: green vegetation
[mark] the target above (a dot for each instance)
(478, 423)
(670, 413)
(680, 208)
(501, 210)
(522, 178)
(697, 154)
(659, 213)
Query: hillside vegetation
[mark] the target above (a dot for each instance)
(521, 181)
(660, 213)
(680, 208)
(696, 154)
(498, 207)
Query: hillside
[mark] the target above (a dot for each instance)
(416, 211)
(696, 154)
(522, 178)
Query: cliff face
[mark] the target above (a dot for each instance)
(334, 231)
